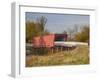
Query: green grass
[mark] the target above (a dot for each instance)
(80, 55)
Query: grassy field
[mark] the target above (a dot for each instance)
(80, 55)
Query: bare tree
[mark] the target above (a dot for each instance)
(70, 32)
(76, 28)
(64, 32)
(41, 23)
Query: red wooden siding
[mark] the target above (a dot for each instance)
(44, 41)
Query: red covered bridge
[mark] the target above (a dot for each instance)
(50, 43)
(48, 40)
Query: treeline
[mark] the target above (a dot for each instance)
(34, 29)
(79, 34)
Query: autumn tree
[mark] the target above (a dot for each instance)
(83, 35)
(30, 31)
(35, 28)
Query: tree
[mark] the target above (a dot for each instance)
(76, 28)
(70, 33)
(83, 36)
(37, 28)
(41, 23)
(30, 31)
(64, 32)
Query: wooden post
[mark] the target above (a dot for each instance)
(52, 50)
(61, 48)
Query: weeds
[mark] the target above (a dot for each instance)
(80, 55)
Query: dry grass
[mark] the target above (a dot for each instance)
(79, 55)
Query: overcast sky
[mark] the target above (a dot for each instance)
(57, 23)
